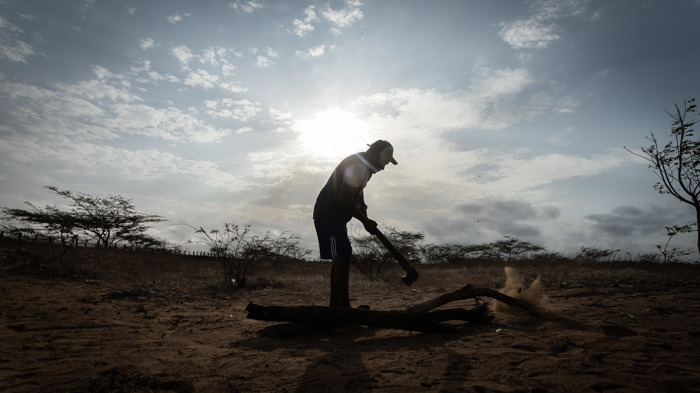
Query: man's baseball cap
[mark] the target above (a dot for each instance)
(385, 149)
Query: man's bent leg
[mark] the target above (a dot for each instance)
(340, 277)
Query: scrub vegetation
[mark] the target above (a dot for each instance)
(94, 225)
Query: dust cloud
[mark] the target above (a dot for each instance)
(514, 287)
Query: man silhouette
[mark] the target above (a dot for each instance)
(340, 200)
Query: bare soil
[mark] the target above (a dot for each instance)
(608, 328)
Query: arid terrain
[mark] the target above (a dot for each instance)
(137, 323)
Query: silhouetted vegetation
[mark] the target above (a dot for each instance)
(242, 252)
(595, 254)
(106, 221)
(164, 272)
(677, 163)
(103, 223)
(674, 254)
(373, 259)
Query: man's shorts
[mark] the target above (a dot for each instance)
(333, 240)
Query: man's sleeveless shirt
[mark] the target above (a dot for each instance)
(356, 172)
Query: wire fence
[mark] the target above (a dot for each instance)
(19, 238)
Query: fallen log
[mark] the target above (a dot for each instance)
(332, 316)
(467, 292)
(478, 314)
(416, 318)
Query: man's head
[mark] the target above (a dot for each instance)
(382, 153)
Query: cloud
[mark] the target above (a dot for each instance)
(176, 18)
(228, 69)
(233, 87)
(531, 172)
(11, 48)
(101, 108)
(485, 220)
(106, 86)
(508, 217)
(39, 111)
(561, 139)
(631, 227)
(226, 108)
(553, 9)
(86, 7)
(528, 34)
(151, 76)
(541, 29)
(183, 54)
(284, 121)
(247, 7)
(344, 17)
(305, 25)
(490, 102)
(496, 98)
(5, 25)
(147, 43)
(273, 53)
(168, 123)
(489, 83)
(17, 52)
(214, 56)
(123, 167)
(629, 221)
(202, 79)
(264, 62)
(97, 90)
(312, 52)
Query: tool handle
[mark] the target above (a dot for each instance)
(399, 257)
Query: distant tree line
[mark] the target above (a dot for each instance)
(372, 258)
(102, 221)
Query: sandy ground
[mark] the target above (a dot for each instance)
(92, 336)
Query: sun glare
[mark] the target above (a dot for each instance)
(334, 134)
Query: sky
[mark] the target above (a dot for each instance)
(508, 118)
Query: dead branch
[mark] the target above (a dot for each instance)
(468, 292)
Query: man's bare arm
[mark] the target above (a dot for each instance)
(345, 197)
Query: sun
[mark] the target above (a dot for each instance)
(333, 134)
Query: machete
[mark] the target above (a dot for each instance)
(411, 272)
